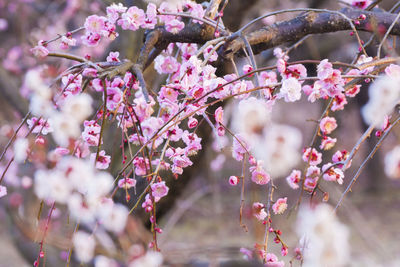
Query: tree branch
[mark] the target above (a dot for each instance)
(310, 23)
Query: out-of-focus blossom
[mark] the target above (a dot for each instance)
(21, 146)
(384, 94)
(279, 149)
(84, 245)
(392, 163)
(271, 260)
(150, 259)
(251, 117)
(325, 240)
(3, 191)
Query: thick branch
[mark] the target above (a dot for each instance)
(310, 23)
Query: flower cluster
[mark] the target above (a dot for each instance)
(84, 190)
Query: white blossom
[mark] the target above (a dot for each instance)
(325, 240)
(392, 163)
(150, 259)
(384, 94)
(251, 117)
(279, 149)
(84, 245)
(21, 146)
(78, 106)
(290, 90)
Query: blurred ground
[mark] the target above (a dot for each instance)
(9, 255)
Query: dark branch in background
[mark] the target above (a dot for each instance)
(310, 23)
(271, 36)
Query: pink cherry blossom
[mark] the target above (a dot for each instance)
(296, 71)
(66, 42)
(259, 175)
(290, 90)
(312, 156)
(174, 26)
(339, 102)
(293, 179)
(95, 24)
(240, 147)
(159, 190)
(327, 143)
(40, 51)
(91, 132)
(363, 4)
(324, 69)
(247, 68)
(219, 115)
(280, 206)
(393, 71)
(89, 72)
(271, 260)
(103, 160)
(42, 126)
(313, 172)
(147, 204)
(192, 141)
(151, 16)
(91, 39)
(132, 19)
(327, 125)
(259, 211)
(192, 122)
(114, 10)
(113, 57)
(207, 54)
(233, 180)
(310, 184)
(166, 64)
(141, 166)
(114, 97)
(3, 191)
(332, 174)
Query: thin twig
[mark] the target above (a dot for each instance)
(15, 135)
(363, 164)
(386, 35)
